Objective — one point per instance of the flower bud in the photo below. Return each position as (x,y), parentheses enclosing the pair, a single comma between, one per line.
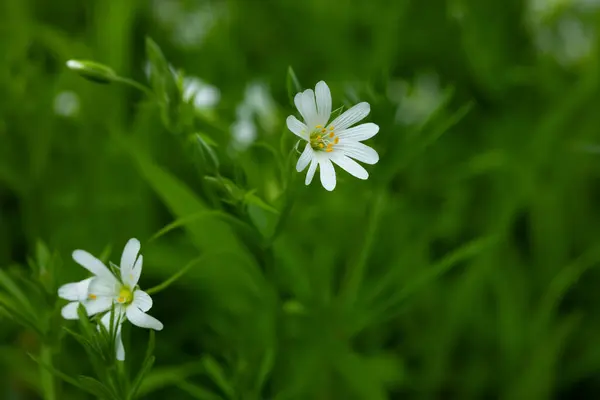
(92,70)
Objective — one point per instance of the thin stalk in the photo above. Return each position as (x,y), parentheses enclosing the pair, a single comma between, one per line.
(134,84)
(46,377)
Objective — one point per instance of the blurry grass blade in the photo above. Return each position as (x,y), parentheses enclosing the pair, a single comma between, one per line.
(198,217)
(209,156)
(97,388)
(252,198)
(336,113)
(57,373)
(356,270)
(197,392)
(564,280)
(216,373)
(266,366)
(292,84)
(12,309)
(212,234)
(161,377)
(11,287)
(92,71)
(536,380)
(463,253)
(163,84)
(175,276)
(144,370)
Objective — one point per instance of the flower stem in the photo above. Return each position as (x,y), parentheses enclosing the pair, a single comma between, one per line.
(46,378)
(134,84)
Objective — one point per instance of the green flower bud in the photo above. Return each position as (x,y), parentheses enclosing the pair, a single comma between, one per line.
(92,70)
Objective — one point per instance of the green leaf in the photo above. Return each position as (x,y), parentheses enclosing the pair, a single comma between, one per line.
(161,377)
(144,370)
(209,157)
(198,392)
(266,366)
(11,287)
(92,71)
(216,373)
(176,276)
(336,113)
(163,84)
(57,372)
(97,388)
(212,233)
(292,84)
(251,198)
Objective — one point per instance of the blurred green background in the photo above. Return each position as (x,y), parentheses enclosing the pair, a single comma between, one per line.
(466,267)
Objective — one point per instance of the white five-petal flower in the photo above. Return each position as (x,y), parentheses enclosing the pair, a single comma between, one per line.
(335,142)
(104,290)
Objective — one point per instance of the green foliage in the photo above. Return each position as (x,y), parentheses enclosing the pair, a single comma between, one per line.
(464,267)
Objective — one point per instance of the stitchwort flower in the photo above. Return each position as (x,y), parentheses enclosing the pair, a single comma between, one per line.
(105,291)
(336,141)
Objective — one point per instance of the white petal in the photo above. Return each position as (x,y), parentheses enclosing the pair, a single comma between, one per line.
(350,166)
(136,272)
(327,173)
(100,287)
(141,319)
(119,345)
(130,253)
(70,310)
(323,97)
(75,291)
(118,318)
(142,300)
(351,116)
(298,103)
(310,108)
(98,305)
(360,132)
(311,171)
(297,127)
(305,158)
(92,264)
(359,151)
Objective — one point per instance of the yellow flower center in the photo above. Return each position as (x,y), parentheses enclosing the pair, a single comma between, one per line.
(323,139)
(125,295)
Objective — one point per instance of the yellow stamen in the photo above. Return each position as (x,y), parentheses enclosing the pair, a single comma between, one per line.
(92,296)
(319,137)
(330,146)
(324,130)
(125,295)
(321,145)
(337,140)
(329,150)
(331,134)
(331,128)
(319,126)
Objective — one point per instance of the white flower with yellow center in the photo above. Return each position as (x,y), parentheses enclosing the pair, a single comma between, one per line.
(335,142)
(99,293)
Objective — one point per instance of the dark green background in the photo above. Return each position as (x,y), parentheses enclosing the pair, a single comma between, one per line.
(466,267)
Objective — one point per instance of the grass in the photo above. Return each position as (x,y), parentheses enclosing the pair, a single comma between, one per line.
(465,267)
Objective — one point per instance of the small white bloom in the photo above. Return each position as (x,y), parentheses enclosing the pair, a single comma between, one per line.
(335,142)
(99,293)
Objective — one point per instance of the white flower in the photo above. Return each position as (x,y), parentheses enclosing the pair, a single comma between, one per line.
(99,293)
(336,142)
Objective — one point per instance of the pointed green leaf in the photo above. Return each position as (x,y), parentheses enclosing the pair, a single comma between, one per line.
(292,84)
(216,373)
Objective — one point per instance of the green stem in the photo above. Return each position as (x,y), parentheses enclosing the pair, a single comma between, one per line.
(134,84)
(46,378)
(355,273)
